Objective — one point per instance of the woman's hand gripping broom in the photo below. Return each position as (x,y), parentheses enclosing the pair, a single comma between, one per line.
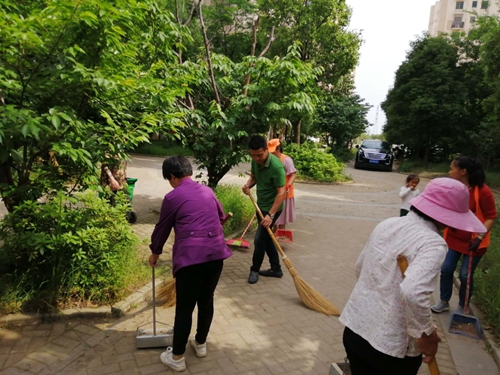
(307,294)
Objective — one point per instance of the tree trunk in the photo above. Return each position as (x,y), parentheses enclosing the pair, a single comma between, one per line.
(296,132)
(426,156)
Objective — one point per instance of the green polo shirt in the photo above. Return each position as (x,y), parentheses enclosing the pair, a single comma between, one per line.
(269,177)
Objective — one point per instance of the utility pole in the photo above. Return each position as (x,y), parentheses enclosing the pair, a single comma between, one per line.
(376,120)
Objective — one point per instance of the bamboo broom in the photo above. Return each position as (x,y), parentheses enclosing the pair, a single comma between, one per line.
(167,291)
(403,265)
(307,294)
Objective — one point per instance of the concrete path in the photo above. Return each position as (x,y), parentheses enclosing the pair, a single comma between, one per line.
(257,329)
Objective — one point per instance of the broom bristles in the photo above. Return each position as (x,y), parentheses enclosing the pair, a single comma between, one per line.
(167,293)
(308,295)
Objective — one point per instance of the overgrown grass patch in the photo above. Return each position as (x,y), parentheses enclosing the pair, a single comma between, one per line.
(162,147)
(487,281)
(63,253)
(233,200)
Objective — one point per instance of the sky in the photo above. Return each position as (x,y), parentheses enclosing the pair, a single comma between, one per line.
(388,27)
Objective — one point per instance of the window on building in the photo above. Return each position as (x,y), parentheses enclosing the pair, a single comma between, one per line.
(472,19)
(460,5)
(474,4)
(485,4)
(457,23)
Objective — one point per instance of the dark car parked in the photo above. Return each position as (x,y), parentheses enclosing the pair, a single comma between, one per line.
(374,154)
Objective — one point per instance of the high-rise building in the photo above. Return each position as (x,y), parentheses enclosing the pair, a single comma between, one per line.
(458,15)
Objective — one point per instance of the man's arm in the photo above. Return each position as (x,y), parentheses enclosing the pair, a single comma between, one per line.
(267,221)
(252,181)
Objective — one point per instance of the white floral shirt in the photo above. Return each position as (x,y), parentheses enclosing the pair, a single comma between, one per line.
(386,310)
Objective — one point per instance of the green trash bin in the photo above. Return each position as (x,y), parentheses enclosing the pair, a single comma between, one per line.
(131,215)
(130,188)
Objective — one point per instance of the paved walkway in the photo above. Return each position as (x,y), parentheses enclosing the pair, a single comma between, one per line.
(257,329)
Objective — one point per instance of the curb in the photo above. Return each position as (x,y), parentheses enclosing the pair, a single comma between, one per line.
(119,309)
(488,337)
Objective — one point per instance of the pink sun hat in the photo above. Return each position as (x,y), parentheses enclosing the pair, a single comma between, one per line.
(447,201)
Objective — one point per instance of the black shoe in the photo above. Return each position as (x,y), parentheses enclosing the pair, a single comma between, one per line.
(271,273)
(253,277)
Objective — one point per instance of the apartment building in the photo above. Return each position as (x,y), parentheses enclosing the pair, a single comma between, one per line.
(458,15)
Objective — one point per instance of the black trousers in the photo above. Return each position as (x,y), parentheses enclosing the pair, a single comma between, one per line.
(195,285)
(364,359)
(264,245)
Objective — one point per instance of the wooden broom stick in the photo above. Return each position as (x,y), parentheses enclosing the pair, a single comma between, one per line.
(403,265)
(167,290)
(307,294)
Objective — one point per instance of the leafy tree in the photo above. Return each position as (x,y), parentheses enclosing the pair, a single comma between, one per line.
(426,105)
(81,81)
(228,100)
(342,119)
(321,28)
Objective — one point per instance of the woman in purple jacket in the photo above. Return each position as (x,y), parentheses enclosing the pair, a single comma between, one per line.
(199,250)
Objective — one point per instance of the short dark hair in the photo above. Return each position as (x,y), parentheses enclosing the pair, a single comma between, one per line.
(177,166)
(421,214)
(474,170)
(279,148)
(257,142)
(412,176)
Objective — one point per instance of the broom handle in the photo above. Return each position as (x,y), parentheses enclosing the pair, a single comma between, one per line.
(467,289)
(403,265)
(276,243)
(248,226)
(154,303)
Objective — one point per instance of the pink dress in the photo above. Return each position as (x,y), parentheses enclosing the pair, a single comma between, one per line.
(288,214)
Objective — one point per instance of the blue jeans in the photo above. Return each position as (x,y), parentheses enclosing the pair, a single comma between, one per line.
(447,269)
(264,245)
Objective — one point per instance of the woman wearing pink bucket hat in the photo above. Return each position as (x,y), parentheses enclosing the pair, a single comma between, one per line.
(464,243)
(388,322)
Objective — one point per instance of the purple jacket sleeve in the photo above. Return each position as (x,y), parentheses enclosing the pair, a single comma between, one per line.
(163,227)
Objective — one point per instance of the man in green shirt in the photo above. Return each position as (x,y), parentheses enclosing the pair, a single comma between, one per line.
(268,174)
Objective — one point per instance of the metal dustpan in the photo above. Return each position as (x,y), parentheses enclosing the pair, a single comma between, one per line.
(463,323)
(154,337)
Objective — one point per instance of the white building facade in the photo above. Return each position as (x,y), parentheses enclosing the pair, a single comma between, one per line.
(458,15)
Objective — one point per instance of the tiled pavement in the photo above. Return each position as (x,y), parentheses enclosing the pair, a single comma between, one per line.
(257,329)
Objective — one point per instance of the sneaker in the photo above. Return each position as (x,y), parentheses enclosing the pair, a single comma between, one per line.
(253,277)
(200,349)
(167,358)
(271,273)
(460,310)
(440,307)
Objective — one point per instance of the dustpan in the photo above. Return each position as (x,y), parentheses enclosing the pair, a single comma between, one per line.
(154,337)
(240,242)
(283,234)
(462,323)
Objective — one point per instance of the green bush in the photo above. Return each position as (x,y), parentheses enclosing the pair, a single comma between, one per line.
(315,164)
(79,249)
(162,147)
(233,200)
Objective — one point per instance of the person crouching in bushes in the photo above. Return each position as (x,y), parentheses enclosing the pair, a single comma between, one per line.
(114,176)
(199,250)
